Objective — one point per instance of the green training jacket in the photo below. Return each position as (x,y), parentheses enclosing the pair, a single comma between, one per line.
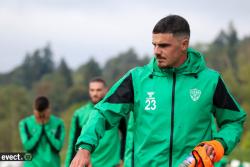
(44,142)
(107,154)
(172,111)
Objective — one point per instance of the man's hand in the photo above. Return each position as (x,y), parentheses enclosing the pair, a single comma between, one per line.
(39,117)
(46,117)
(210,151)
(81,159)
(121,164)
(42,117)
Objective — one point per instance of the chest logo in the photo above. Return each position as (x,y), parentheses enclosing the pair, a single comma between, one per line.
(150,101)
(195,94)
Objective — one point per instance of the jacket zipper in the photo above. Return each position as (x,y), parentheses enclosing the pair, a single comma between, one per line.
(172,121)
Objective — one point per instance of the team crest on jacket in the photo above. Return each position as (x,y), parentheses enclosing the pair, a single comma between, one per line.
(195,94)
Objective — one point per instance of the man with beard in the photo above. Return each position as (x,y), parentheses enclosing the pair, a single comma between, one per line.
(108,151)
(172,99)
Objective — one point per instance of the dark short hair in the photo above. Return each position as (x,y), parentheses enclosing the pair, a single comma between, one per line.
(98,79)
(173,24)
(41,103)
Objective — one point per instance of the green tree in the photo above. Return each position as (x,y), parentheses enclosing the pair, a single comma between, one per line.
(15,104)
(64,70)
(119,65)
(52,86)
(87,71)
(232,39)
(33,68)
(217,53)
(76,94)
(48,65)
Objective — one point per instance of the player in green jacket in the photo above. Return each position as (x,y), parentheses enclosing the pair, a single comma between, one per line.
(172,99)
(107,154)
(42,135)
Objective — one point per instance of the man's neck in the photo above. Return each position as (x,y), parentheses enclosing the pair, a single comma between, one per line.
(183,58)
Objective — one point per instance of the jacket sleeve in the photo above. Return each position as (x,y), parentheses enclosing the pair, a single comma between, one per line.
(229,116)
(29,140)
(56,140)
(107,113)
(75,131)
(129,148)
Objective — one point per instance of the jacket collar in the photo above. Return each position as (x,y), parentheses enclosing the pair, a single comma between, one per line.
(192,66)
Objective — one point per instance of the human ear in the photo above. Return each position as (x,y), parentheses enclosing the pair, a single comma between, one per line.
(185,43)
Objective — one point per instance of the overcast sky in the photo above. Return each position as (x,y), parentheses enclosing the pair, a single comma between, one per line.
(80,29)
